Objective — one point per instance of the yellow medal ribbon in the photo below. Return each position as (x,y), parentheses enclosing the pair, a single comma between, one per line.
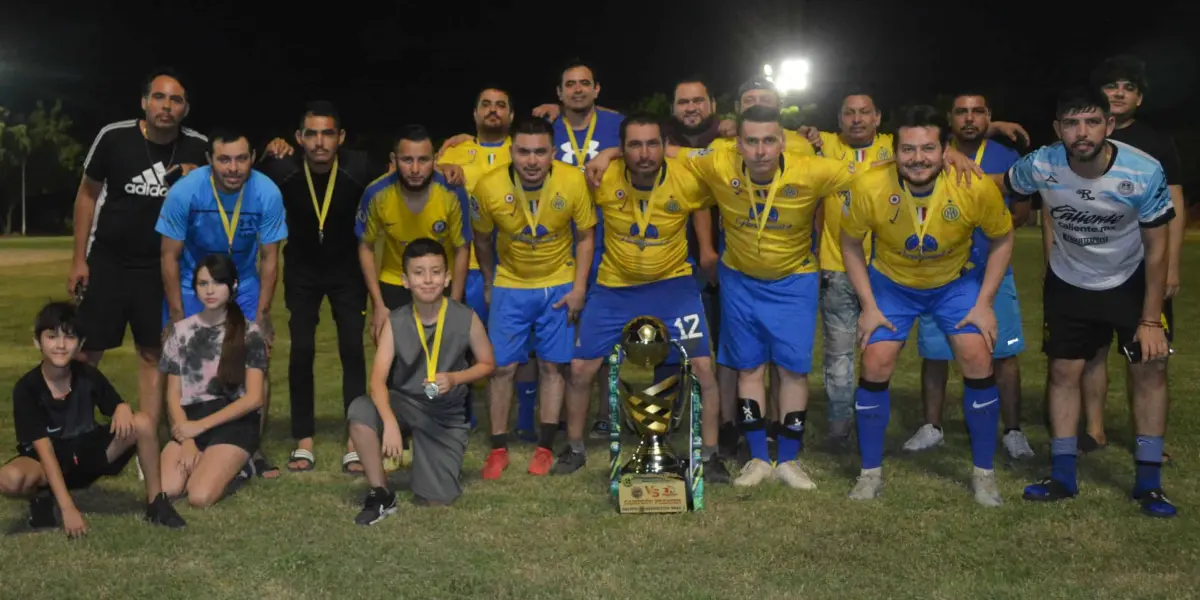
(322,210)
(642,217)
(230,225)
(978,152)
(920,225)
(760,220)
(581,154)
(431,358)
(532,215)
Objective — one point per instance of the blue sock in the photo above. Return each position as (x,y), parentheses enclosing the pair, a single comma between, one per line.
(754,428)
(791,436)
(1148,457)
(526,402)
(872,409)
(757,440)
(1062,462)
(981,407)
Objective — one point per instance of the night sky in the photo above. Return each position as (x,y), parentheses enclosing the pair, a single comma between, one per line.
(253,64)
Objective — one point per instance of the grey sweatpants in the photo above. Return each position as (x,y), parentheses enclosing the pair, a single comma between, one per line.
(839,316)
(439,441)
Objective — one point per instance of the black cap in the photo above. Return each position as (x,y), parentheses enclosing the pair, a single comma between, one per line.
(756,83)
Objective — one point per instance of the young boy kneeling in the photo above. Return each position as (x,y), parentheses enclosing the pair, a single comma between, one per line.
(427,343)
(60,445)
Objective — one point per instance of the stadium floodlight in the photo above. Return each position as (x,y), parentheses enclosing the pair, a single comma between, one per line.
(791,76)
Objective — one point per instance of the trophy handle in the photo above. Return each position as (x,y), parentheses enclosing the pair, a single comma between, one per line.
(614,422)
(695,472)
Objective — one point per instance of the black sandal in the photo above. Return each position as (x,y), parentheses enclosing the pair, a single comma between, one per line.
(262,467)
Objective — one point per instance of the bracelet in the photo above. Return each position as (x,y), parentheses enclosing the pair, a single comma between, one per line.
(1149,323)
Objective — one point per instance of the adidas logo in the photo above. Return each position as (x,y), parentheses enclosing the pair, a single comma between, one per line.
(152,182)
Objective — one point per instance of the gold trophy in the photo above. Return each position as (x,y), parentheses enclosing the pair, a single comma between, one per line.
(655,479)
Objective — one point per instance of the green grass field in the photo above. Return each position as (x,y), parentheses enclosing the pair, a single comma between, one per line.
(523,537)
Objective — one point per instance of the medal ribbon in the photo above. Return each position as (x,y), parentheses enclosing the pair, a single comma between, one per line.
(978,152)
(761,219)
(431,358)
(643,216)
(230,225)
(581,154)
(322,210)
(919,224)
(532,215)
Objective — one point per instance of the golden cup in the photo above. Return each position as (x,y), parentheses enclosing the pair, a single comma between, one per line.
(651,408)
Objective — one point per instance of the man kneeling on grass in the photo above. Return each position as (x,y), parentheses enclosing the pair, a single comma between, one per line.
(60,445)
(423,349)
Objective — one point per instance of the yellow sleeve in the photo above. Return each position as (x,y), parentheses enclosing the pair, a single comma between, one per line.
(481,219)
(857,223)
(454,220)
(585,210)
(701,163)
(798,145)
(829,175)
(994,218)
(457,155)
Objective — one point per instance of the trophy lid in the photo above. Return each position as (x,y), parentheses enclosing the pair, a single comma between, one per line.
(645,341)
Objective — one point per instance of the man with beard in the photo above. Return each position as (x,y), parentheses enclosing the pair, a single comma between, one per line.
(922,223)
(969,117)
(542,214)
(1123,80)
(321,189)
(115,270)
(225,207)
(1108,204)
(645,199)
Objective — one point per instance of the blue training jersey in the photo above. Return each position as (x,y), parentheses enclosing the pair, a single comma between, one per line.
(606,135)
(996,159)
(189,214)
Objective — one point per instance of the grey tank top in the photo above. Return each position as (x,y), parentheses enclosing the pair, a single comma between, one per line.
(409,372)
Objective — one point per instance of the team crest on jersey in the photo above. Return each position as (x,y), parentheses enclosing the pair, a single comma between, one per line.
(559,203)
(673,206)
(884,154)
(789,191)
(620,194)
(894,200)
(950,213)
(508,198)
(700,152)
(852,166)
(471,152)
(736,184)
(1125,188)
(439,226)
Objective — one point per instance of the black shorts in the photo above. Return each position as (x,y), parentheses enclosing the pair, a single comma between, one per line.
(395,296)
(84,459)
(241,432)
(118,296)
(1079,323)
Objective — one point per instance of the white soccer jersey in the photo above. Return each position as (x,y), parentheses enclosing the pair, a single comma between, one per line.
(1096,222)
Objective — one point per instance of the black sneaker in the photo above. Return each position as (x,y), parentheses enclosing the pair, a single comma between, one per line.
(41,512)
(160,512)
(1156,504)
(599,430)
(715,471)
(728,437)
(378,505)
(568,461)
(1047,490)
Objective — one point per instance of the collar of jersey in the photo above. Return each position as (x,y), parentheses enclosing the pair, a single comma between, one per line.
(661,178)
(900,180)
(491,144)
(782,168)
(512,172)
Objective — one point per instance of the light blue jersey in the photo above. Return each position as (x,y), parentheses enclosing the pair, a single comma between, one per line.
(1096,222)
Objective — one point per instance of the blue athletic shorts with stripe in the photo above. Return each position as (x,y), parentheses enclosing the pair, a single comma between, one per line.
(676,302)
(1010,338)
(946,305)
(521,320)
(473,294)
(247,300)
(768,321)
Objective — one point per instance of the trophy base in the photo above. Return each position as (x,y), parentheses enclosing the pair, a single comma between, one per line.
(652,494)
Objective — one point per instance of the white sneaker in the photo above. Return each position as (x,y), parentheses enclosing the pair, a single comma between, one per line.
(793,475)
(868,486)
(1016,445)
(754,472)
(983,483)
(925,438)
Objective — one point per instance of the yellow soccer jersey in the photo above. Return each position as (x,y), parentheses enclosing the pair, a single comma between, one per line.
(383,212)
(948,216)
(631,258)
(768,237)
(793,143)
(535,242)
(478,159)
(836,207)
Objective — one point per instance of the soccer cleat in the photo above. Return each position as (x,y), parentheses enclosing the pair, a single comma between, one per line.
(568,462)
(599,430)
(496,463)
(541,462)
(728,439)
(1156,504)
(1047,490)
(379,504)
(715,471)
(925,438)
(987,493)
(1017,446)
(160,512)
(754,472)
(41,512)
(868,486)
(793,475)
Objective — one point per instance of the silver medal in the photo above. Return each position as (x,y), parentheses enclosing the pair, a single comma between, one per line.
(431,390)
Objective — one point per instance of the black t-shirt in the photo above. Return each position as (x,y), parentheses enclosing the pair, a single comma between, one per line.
(132,170)
(1157,144)
(355,172)
(37,415)
(675,135)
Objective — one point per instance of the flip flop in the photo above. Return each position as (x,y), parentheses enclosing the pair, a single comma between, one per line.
(298,455)
(348,459)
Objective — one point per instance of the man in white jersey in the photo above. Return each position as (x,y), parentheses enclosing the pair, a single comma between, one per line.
(1108,205)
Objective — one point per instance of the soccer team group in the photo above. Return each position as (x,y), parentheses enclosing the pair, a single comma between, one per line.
(515,256)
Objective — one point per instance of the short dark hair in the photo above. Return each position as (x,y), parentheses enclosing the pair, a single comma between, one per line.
(321,108)
(148,82)
(573,63)
(920,116)
(1079,99)
(758,114)
(479,96)
(423,247)
(56,316)
(1121,67)
(972,93)
(225,135)
(640,118)
(698,80)
(412,133)
(533,126)
(858,90)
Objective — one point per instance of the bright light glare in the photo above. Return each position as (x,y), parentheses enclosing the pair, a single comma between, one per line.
(792,75)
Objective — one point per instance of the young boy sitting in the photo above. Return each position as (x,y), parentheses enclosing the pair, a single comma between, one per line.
(60,445)
(427,343)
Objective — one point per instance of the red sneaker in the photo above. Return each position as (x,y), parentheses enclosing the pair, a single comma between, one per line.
(541,462)
(496,463)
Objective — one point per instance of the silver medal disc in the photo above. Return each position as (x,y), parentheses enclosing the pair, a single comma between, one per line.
(431,390)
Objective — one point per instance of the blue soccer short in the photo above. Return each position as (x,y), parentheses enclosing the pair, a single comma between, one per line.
(247,300)
(1010,338)
(676,302)
(473,294)
(768,321)
(947,305)
(521,320)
